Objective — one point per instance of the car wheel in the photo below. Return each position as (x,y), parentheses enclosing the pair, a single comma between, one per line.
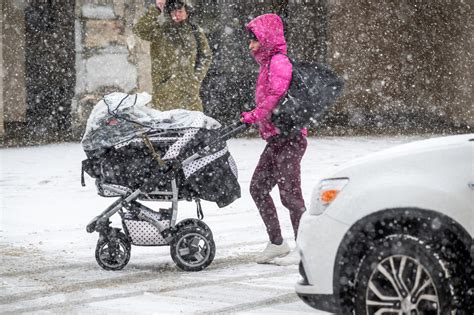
(403,275)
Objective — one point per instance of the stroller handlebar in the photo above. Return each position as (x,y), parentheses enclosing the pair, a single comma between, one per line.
(232,130)
(226,133)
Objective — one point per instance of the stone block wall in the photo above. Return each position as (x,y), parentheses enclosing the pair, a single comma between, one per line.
(107,55)
(2,126)
(403,61)
(12,55)
(407,64)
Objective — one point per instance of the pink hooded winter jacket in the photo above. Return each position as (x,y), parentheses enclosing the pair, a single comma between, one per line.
(274,77)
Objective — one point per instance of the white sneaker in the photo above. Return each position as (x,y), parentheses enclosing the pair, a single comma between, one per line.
(293,258)
(273,251)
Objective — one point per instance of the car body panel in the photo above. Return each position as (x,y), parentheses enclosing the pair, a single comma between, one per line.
(431,174)
(434,178)
(325,231)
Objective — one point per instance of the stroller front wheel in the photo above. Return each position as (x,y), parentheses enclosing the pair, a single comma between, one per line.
(113,253)
(192,248)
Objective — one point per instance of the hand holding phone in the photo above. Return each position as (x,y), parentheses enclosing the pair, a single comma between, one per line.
(160,4)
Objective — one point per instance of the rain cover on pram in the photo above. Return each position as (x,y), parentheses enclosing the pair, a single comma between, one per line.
(131,145)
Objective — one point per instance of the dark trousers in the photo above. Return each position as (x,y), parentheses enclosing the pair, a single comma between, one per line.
(279,164)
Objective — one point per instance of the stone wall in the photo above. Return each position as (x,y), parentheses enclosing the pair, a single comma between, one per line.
(13,102)
(36,74)
(2,126)
(407,64)
(108,58)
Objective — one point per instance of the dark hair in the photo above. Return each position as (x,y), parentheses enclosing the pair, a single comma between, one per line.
(252,36)
(172,5)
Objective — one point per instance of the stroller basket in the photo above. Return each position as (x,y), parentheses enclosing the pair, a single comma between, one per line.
(143,233)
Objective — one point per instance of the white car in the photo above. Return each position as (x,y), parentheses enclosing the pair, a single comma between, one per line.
(392,232)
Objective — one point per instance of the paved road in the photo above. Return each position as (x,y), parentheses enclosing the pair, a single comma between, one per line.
(47,262)
(33,283)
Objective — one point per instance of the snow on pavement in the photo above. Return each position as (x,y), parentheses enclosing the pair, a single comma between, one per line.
(47,257)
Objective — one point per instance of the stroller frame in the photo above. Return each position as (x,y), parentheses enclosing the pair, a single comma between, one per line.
(191,242)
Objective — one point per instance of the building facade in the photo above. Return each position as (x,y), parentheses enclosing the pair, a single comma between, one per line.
(407,65)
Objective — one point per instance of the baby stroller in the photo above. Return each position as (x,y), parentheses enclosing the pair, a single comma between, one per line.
(138,154)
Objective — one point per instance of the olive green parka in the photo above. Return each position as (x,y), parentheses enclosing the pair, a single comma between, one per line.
(180,58)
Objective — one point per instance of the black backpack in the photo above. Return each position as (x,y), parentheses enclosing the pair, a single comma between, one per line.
(313,90)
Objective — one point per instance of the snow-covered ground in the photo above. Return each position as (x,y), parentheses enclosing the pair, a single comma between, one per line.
(47,257)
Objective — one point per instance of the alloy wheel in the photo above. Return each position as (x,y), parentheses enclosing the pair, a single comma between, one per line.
(401,285)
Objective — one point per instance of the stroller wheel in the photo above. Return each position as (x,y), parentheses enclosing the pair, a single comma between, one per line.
(197,223)
(192,248)
(113,253)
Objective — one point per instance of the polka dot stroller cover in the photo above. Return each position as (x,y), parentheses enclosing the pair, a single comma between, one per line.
(131,145)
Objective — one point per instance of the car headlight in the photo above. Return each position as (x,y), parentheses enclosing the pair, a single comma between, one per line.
(325,193)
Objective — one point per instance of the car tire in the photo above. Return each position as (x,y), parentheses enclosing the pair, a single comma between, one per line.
(405,274)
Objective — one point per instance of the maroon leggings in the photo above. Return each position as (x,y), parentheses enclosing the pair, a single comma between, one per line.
(279,165)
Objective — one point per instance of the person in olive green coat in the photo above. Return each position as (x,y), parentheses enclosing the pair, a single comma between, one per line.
(180,55)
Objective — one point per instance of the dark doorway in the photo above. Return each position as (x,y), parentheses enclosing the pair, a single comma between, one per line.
(50,68)
(229,85)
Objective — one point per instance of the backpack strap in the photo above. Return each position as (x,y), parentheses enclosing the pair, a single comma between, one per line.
(280,53)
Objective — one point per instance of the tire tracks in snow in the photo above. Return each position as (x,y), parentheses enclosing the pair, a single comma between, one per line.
(136,279)
(92,265)
(279,299)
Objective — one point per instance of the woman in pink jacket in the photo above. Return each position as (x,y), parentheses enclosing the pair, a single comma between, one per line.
(280,161)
